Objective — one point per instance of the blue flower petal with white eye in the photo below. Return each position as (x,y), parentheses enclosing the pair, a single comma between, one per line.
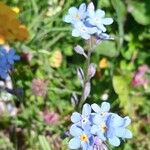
(75,117)
(124,133)
(75,131)
(86,110)
(114,141)
(74,143)
(105,107)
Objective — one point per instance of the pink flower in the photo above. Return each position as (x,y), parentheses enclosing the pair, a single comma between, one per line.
(50,117)
(39,87)
(139,78)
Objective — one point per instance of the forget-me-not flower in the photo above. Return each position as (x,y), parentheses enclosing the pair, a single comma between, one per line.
(82,138)
(82,120)
(75,14)
(97,18)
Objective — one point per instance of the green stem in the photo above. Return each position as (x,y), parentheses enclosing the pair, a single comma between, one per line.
(86,78)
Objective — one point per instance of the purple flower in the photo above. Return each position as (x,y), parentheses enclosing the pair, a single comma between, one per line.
(82,138)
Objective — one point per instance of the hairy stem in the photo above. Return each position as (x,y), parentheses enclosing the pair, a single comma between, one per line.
(86,79)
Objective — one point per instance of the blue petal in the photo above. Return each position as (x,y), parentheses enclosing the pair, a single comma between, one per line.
(107,21)
(100,13)
(74,143)
(98,119)
(75,131)
(101,135)
(94,129)
(92,30)
(84,145)
(82,8)
(114,141)
(127,121)
(85,36)
(124,133)
(86,111)
(116,121)
(75,33)
(105,107)
(75,117)
(90,9)
(72,11)
(95,107)
(67,19)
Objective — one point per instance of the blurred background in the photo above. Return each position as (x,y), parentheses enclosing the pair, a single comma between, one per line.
(38,117)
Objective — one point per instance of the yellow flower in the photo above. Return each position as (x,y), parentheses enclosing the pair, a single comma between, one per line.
(56,59)
(103,63)
(2,40)
(16,9)
(10,27)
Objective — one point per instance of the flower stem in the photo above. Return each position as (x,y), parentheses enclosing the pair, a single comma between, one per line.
(86,78)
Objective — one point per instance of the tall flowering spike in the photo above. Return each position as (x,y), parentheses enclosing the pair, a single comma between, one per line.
(7,59)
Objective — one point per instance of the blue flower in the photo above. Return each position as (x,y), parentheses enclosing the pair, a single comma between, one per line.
(75,14)
(112,128)
(99,127)
(116,128)
(97,18)
(7,57)
(103,110)
(82,139)
(81,30)
(82,120)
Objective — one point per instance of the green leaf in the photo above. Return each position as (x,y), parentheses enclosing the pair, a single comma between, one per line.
(107,48)
(140,11)
(43,143)
(120,85)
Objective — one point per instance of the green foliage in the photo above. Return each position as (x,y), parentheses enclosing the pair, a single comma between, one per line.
(49,34)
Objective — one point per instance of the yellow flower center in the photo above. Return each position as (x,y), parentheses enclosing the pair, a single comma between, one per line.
(77,16)
(103,127)
(84,137)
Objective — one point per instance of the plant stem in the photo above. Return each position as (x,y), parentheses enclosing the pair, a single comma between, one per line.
(86,78)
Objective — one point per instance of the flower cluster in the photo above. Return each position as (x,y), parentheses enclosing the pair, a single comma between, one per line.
(97,125)
(87,21)
(7,59)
